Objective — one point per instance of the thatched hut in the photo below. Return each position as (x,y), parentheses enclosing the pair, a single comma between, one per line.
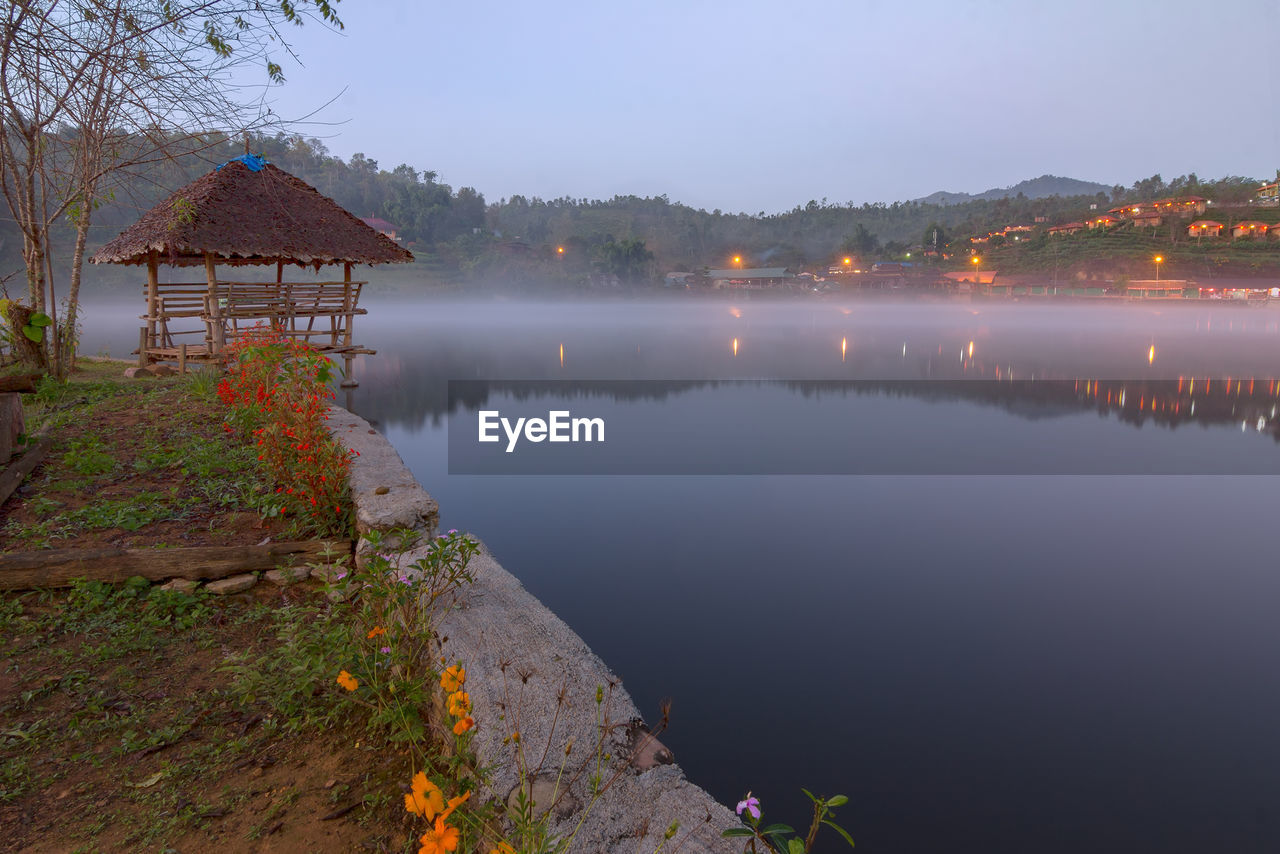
(248,212)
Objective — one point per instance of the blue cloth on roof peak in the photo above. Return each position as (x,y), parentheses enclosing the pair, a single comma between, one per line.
(252,162)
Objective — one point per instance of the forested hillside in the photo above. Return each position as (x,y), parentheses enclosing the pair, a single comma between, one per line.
(461,240)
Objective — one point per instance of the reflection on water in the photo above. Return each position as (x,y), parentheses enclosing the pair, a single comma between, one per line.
(866,427)
(994,664)
(712,341)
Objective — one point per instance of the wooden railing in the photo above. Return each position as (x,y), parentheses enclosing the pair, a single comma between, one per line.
(319,313)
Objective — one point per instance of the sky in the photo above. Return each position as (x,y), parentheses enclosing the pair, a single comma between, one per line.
(761,106)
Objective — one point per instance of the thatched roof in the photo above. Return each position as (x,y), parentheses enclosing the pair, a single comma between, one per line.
(249,212)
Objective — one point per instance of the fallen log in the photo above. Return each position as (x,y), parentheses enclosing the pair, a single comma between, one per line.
(59,567)
(25,383)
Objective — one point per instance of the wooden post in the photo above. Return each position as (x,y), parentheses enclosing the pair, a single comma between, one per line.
(279,321)
(348,310)
(12,424)
(142,347)
(182,359)
(346,304)
(216,335)
(153,306)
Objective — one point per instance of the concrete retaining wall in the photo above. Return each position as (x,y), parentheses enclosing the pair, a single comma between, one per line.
(529,673)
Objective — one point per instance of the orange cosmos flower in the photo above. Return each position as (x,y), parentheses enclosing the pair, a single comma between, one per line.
(460,704)
(454,803)
(463,725)
(440,839)
(453,678)
(426,799)
(375,631)
(346,680)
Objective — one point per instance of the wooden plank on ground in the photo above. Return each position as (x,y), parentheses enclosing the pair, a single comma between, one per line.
(12,476)
(59,567)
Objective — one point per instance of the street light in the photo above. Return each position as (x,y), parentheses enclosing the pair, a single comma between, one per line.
(847,262)
(737,260)
(1159,261)
(975,259)
(559,250)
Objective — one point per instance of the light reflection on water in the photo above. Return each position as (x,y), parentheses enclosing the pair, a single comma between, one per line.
(996,664)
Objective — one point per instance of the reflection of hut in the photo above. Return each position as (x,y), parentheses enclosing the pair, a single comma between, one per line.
(248,212)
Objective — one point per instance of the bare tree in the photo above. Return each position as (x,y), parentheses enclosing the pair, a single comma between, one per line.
(93,90)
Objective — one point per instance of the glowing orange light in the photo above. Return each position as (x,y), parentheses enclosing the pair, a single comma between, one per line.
(559,250)
(975,259)
(844,347)
(737,259)
(848,261)
(735,347)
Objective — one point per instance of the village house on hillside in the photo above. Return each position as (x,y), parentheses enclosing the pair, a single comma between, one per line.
(1204,228)
(381,226)
(752,278)
(1249,228)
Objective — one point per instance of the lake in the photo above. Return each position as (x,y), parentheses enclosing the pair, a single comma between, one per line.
(1030,616)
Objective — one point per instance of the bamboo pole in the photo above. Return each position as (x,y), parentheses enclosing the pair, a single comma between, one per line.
(216,336)
(349,380)
(153,305)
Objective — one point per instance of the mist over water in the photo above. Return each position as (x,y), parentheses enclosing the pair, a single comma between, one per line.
(982,663)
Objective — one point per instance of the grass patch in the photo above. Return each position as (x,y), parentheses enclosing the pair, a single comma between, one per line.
(138,463)
(137,718)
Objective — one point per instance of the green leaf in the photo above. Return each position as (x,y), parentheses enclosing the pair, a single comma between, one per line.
(779,828)
(149,782)
(40,319)
(840,830)
(811,795)
(795,846)
(837,801)
(34,333)
(738,831)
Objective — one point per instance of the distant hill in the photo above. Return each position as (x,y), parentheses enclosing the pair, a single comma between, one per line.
(1036,188)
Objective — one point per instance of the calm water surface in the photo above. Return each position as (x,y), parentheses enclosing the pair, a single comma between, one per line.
(982,663)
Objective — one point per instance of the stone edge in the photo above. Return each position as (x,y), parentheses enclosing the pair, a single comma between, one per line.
(528,670)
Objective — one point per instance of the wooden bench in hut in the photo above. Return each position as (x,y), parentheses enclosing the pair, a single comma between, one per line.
(248,213)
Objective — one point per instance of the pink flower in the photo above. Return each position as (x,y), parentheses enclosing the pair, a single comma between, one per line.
(751,805)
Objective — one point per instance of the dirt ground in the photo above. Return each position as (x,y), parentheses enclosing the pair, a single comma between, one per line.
(120,727)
